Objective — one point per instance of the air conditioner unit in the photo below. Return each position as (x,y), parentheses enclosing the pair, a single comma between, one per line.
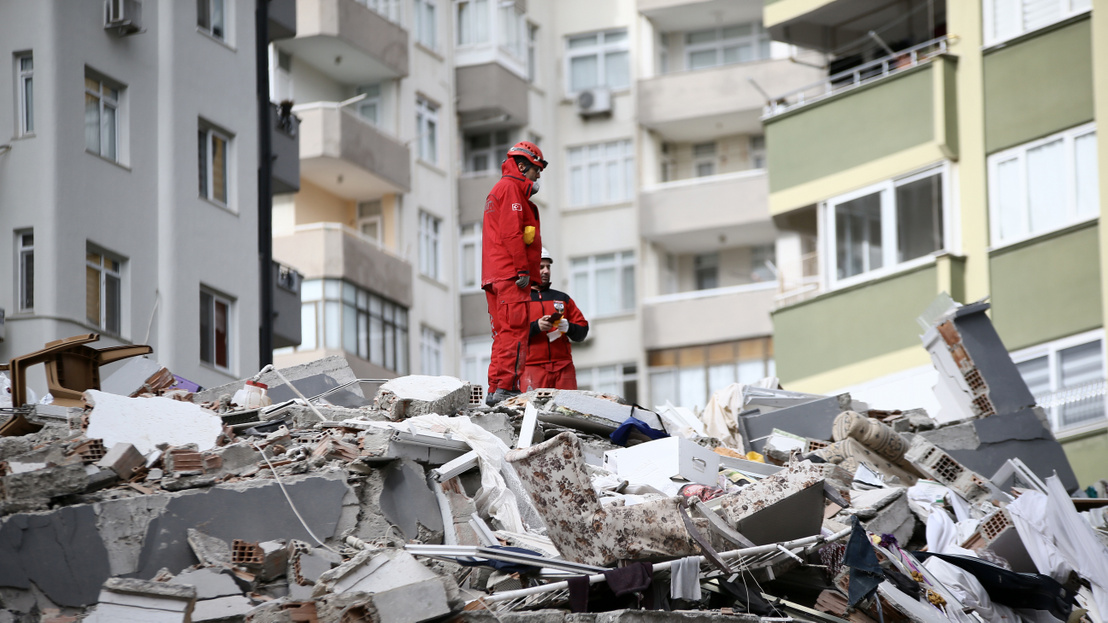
(123,17)
(594,102)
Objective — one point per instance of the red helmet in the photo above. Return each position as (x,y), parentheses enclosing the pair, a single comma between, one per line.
(530,151)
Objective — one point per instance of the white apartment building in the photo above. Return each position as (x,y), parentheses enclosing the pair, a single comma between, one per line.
(128,180)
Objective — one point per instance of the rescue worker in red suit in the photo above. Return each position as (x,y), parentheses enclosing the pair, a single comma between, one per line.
(549,356)
(511,246)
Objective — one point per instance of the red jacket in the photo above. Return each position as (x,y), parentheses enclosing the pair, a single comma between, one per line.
(510,241)
(541,350)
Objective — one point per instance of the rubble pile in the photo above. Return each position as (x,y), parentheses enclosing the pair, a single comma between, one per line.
(292,496)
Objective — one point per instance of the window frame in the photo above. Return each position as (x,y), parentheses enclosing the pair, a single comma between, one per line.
(887,192)
(25,271)
(105,273)
(216,299)
(427,127)
(25,94)
(336,300)
(425,23)
(205,23)
(758,36)
(206,178)
(1019,153)
(495,153)
(587,296)
(373,96)
(430,245)
(1052,351)
(601,49)
(469,236)
(430,351)
(989,14)
(105,85)
(391,10)
(705,159)
(584,164)
(466,24)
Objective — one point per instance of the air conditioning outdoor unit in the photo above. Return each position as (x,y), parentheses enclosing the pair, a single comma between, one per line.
(123,17)
(594,102)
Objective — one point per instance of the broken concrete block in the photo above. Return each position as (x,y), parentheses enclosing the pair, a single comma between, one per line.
(803,415)
(498,424)
(267,560)
(129,600)
(123,459)
(208,549)
(209,583)
(50,482)
(373,572)
(409,396)
(229,608)
(147,422)
(941,467)
(866,504)
(893,518)
(237,458)
(787,505)
(188,462)
(408,503)
(411,603)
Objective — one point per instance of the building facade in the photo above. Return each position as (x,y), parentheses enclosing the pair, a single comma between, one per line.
(952,147)
(128,186)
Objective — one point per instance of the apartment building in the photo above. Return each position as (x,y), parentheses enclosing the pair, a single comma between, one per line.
(952,147)
(128,186)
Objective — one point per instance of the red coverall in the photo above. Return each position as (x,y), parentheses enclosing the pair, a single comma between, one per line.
(550,364)
(510,247)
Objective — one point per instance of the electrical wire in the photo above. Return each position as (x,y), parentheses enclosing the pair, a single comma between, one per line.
(296,512)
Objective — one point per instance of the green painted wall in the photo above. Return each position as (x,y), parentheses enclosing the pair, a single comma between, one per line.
(1086,455)
(1038,86)
(1046,289)
(851,129)
(851,325)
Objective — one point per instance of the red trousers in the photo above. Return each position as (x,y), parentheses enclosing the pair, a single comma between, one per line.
(511,329)
(551,375)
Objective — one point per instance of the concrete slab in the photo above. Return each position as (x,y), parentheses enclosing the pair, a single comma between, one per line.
(209,583)
(221,609)
(44,483)
(147,422)
(408,503)
(410,396)
(131,376)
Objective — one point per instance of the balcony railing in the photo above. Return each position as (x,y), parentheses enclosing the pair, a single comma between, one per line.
(794,286)
(859,75)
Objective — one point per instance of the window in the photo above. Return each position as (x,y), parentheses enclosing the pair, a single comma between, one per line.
(370,220)
(280,71)
(1043,185)
(213,164)
(598,60)
(429,227)
(25,248)
(706,271)
(532,52)
(758,151)
(1067,378)
(601,173)
(215,329)
(337,315)
(473,21)
(425,26)
(25,93)
(101,117)
(476,357)
(470,258)
(211,17)
(370,107)
(604,285)
(704,158)
(724,46)
(619,380)
(430,350)
(103,291)
(1005,19)
(388,9)
(513,30)
(689,376)
(762,263)
(885,225)
(485,151)
(427,123)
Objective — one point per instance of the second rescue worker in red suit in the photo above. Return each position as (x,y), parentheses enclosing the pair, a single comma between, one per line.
(549,356)
(510,250)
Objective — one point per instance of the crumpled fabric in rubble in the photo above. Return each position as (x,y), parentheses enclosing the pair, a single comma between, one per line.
(1004,586)
(721,415)
(865,571)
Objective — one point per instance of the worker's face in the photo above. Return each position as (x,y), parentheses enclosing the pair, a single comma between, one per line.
(544,272)
(532,173)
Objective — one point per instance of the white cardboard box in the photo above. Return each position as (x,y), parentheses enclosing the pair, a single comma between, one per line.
(658,462)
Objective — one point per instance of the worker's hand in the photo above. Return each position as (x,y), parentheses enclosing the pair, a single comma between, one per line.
(523,280)
(545,325)
(563,325)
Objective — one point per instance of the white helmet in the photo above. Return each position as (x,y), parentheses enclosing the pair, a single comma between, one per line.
(546,255)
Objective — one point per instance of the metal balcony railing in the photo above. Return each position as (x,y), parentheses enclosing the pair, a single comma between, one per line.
(859,75)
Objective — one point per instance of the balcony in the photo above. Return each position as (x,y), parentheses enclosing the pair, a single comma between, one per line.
(492,96)
(282,19)
(286,306)
(684,215)
(473,188)
(703,104)
(348,42)
(348,156)
(285,143)
(879,120)
(828,25)
(330,250)
(708,316)
(678,15)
